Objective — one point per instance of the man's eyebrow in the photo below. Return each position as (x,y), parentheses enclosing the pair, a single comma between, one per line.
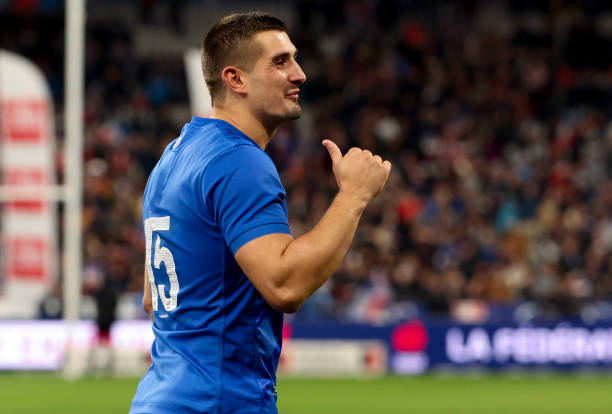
(284,55)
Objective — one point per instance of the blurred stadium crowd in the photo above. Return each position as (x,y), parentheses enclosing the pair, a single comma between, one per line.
(495,115)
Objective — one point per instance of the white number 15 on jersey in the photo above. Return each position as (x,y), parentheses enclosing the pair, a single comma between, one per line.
(160,254)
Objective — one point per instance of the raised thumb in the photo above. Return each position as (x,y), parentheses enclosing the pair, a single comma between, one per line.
(334,151)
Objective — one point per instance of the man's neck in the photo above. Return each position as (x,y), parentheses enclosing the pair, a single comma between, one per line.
(247,124)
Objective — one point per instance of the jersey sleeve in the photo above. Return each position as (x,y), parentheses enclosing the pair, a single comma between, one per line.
(245,196)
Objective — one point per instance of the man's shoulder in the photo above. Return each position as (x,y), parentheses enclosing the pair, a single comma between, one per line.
(214,140)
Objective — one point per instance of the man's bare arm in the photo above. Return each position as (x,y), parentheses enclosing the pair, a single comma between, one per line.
(147,303)
(287,271)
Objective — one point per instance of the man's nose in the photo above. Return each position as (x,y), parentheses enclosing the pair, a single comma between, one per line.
(298,76)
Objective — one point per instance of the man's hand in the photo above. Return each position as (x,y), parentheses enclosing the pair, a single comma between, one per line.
(359,173)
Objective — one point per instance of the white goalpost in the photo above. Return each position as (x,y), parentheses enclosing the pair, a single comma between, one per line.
(73,150)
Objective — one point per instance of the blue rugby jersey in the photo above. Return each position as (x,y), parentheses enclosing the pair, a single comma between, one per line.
(217,342)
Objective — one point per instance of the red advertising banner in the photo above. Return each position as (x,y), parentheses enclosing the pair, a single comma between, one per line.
(28,226)
(25,257)
(25,121)
(26,176)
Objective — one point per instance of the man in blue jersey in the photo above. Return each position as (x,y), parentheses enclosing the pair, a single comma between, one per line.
(221,264)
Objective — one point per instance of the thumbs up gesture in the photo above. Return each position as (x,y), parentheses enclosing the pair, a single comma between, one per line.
(358,173)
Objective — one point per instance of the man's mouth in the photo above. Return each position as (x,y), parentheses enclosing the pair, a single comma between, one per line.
(293,95)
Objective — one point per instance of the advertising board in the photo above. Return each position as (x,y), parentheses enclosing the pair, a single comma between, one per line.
(335,349)
(27,148)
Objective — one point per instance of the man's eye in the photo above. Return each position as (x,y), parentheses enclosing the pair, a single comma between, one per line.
(281,61)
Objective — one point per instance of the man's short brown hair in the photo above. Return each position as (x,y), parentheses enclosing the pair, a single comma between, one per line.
(227,44)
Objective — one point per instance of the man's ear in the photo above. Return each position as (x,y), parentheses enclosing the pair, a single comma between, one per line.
(233,77)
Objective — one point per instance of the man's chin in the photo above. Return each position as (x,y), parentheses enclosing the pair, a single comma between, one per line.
(294,113)
(289,115)
(293,116)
